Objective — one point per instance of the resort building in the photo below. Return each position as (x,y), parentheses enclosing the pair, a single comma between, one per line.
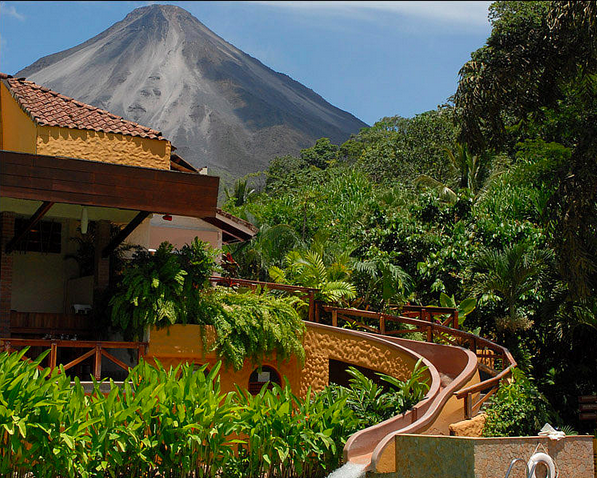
(76,180)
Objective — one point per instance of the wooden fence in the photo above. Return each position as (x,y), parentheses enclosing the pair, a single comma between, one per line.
(87,349)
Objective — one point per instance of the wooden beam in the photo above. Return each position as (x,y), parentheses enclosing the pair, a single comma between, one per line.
(37,216)
(93,183)
(226,235)
(122,235)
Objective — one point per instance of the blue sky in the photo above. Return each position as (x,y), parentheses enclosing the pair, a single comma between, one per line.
(373,59)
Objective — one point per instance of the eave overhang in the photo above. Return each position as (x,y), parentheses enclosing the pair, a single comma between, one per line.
(94,183)
(233,228)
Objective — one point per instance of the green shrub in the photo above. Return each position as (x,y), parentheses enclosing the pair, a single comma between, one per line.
(171,423)
(171,287)
(373,403)
(518,409)
(40,427)
(151,292)
(287,436)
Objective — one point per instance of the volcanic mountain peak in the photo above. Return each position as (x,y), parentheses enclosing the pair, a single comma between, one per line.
(222,108)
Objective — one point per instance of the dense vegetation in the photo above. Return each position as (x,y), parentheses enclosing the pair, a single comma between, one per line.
(171,287)
(178,423)
(491,197)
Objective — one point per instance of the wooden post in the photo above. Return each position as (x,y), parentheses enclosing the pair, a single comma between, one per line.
(430,333)
(468,406)
(53,355)
(382,324)
(97,369)
(455,320)
(311,306)
(317,312)
(335,318)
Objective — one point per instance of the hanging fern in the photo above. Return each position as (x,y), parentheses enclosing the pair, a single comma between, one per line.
(252,326)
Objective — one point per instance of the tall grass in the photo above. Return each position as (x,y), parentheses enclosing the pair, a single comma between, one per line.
(168,423)
(173,423)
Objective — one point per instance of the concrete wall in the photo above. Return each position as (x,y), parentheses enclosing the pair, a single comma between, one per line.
(422,456)
(182,230)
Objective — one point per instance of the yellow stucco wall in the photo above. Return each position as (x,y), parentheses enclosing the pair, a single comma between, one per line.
(17,130)
(183,343)
(106,147)
(177,344)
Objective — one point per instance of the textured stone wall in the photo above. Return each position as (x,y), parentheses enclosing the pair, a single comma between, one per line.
(573,456)
(423,456)
(180,343)
(106,147)
(321,345)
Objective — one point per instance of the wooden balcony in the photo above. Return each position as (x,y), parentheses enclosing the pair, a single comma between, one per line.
(71,341)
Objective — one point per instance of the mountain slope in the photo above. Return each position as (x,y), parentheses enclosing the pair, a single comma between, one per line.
(220,107)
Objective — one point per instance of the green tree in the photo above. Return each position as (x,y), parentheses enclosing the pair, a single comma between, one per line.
(536,76)
(241,192)
(507,277)
(321,154)
(309,268)
(400,149)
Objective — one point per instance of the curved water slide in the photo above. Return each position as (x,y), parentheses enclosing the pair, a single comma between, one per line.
(456,385)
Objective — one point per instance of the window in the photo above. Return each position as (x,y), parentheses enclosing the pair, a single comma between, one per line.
(45,236)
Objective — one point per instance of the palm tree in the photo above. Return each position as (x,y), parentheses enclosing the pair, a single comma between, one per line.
(467,166)
(383,280)
(267,249)
(308,269)
(241,193)
(507,277)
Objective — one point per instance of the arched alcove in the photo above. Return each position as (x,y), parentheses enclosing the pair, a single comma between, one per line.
(262,375)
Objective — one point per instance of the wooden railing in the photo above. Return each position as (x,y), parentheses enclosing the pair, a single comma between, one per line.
(438,324)
(97,350)
(430,313)
(493,359)
(43,323)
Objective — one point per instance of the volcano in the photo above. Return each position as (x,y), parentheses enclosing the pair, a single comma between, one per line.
(221,108)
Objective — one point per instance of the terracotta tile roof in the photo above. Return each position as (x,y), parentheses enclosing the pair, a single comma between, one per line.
(238,220)
(49,108)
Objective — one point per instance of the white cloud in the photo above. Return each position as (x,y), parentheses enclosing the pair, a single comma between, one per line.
(463,13)
(11,11)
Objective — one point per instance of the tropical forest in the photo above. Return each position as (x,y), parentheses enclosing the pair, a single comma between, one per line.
(487,204)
